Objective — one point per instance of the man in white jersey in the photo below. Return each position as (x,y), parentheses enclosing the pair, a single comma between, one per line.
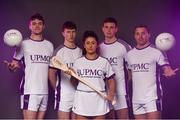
(64,90)
(114,50)
(142,61)
(35,53)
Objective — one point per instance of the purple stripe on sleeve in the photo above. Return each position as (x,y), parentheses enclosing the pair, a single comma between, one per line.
(165,65)
(26,101)
(16,59)
(22,86)
(57,105)
(58,88)
(159,105)
(158,83)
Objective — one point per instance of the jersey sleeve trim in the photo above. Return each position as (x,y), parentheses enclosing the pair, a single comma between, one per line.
(17,59)
(111,77)
(57,50)
(53,68)
(164,65)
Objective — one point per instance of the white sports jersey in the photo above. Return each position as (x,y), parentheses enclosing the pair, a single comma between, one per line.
(36,56)
(95,71)
(115,53)
(64,88)
(142,63)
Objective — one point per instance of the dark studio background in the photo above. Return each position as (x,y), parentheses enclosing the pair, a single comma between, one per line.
(159,15)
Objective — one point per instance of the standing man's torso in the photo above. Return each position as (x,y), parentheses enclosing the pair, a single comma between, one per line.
(36,57)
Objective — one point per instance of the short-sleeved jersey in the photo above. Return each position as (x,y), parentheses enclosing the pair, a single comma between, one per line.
(143,63)
(115,53)
(64,88)
(94,71)
(36,57)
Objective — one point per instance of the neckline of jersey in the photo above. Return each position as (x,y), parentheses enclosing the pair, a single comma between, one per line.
(91,59)
(143,47)
(110,43)
(69,47)
(37,40)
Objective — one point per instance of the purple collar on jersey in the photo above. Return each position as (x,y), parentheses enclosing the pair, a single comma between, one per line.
(110,43)
(69,47)
(142,48)
(91,59)
(36,40)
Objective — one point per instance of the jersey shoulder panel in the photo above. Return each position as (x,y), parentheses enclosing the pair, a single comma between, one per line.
(153,47)
(101,43)
(132,50)
(103,59)
(80,58)
(79,49)
(59,48)
(49,42)
(25,40)
(125,44)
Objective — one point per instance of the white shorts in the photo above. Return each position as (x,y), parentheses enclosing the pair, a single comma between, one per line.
(65,106)
(152,106)
(34,102)
(89,104)
(121,103)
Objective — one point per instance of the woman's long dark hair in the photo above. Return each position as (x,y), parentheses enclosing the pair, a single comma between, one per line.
(87,34)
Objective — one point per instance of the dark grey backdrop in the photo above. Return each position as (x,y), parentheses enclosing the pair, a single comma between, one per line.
(159,15)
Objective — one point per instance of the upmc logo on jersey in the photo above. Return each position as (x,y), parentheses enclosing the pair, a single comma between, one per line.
(112,60)
(142,67)
(90,73)
(40,59)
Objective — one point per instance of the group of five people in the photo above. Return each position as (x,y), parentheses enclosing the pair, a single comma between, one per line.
(102,64)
